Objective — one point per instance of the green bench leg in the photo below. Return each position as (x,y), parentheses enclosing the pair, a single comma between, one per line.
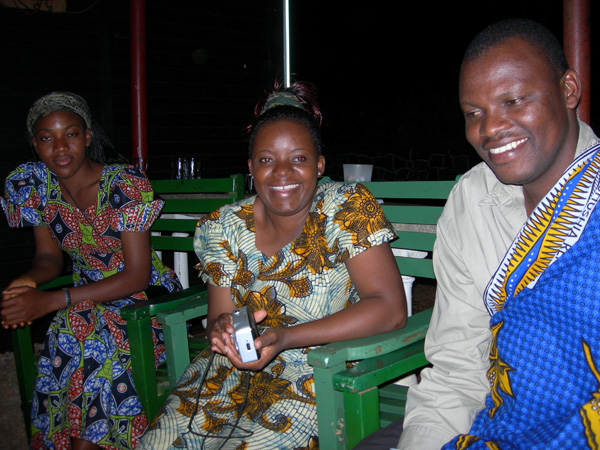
(177,350)
(142,356)
(362,415)
(330,419)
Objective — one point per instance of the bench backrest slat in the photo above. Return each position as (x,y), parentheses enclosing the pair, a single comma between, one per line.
(413,208)
(185,202)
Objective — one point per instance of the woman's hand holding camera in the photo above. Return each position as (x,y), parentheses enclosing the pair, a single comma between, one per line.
(268,345)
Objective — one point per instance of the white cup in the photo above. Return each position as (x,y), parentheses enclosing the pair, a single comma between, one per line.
(358,172)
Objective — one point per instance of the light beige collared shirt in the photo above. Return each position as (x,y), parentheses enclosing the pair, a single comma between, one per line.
(480,221)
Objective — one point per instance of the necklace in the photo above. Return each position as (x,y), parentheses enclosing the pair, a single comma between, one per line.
(87,219)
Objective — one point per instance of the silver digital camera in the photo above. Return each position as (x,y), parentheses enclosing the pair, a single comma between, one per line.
(244,333)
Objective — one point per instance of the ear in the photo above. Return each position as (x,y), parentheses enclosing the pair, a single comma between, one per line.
(571,86)
(250,167)
(34,144)
(88,137)
(321,165)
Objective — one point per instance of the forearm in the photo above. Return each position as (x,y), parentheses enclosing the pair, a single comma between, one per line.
(367,317)
(114,287)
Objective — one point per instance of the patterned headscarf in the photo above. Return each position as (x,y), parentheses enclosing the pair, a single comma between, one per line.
(282,99)
(57,101)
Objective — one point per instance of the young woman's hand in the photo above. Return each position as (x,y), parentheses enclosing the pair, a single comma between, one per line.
(22,304)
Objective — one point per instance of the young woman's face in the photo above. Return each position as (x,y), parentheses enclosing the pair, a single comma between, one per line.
(285,166)
(60,140)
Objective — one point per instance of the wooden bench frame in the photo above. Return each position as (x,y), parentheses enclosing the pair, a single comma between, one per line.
(193,196)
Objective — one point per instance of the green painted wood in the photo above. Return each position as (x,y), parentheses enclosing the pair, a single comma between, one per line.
(330,407)
(362,415)
(62,281)
(143,370)
(155,385)
(26,359)
(377,370)
(171,243)
(357,349)
(414,214)
(411,189)
(415,267)
(194,206)
(392,401)
(178,225)
(174,323)
(165,302)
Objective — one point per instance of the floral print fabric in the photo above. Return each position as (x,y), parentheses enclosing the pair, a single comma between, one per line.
(306,280)
(84,387)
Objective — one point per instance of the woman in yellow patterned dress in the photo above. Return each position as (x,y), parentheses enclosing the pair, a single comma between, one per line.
(301,256)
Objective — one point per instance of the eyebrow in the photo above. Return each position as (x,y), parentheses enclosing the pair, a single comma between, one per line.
(64,128)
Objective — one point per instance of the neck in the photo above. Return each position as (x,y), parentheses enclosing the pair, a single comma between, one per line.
(89,173)
(82,187)
(536,190)
(272,231)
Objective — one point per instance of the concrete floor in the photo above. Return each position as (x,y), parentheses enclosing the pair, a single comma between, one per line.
(12,426)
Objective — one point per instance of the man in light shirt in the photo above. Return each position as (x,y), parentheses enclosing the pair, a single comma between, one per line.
(514,338)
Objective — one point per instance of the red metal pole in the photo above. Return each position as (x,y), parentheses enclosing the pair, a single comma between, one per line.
(576,42)
(139,125)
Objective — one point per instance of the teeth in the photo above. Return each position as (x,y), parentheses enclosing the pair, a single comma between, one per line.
(509,146)
(284,188)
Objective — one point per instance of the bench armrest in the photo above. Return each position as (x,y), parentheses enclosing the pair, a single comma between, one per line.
(329,360)
(357,349)
(151,308)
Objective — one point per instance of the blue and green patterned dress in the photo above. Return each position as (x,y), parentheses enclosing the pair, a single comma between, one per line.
(304,281)
(84,387)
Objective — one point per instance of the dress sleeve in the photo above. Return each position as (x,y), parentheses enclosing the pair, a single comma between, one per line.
(358,221)
(131,200)
(25,195)
(217,263)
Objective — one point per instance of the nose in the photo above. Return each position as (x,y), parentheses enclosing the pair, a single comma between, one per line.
(60,144)
(282,168)
(493,123)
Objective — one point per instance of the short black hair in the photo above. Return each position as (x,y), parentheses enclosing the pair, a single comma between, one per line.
(530,31)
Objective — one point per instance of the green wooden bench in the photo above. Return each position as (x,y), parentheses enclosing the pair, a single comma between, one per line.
(348,401)
(184,201)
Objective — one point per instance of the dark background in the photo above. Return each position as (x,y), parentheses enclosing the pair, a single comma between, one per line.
(387,73)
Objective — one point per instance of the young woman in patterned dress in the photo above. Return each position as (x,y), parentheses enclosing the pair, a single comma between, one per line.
(79,198)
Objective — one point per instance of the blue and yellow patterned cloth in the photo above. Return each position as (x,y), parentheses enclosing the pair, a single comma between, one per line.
(545,305)
(306,280)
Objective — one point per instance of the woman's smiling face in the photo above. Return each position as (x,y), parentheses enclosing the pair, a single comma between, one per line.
(285,166)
